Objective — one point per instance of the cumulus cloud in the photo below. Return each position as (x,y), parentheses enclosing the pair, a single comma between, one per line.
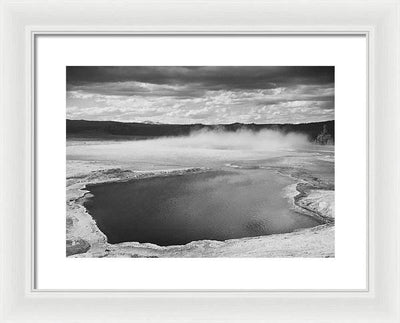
(201,94)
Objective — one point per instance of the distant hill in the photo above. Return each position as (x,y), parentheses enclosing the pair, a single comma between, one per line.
(323,132)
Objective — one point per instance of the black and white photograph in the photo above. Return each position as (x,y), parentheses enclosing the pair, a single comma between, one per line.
(200,161)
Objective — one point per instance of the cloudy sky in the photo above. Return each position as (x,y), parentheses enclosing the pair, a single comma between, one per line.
(208,94)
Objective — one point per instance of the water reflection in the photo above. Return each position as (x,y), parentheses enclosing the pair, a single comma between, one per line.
(216,205)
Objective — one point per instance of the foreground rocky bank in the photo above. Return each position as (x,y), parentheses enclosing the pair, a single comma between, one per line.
(311,195)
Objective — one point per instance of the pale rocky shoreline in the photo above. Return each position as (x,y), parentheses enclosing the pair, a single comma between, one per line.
(310,196)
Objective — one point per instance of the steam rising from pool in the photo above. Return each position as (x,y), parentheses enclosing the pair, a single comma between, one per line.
(200,148)
(264,140)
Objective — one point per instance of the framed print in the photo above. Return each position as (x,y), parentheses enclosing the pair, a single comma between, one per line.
(201,167)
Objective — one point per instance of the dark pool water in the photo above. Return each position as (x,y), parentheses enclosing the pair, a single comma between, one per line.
(176,210)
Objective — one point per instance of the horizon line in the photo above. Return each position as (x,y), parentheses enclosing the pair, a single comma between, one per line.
(204,124)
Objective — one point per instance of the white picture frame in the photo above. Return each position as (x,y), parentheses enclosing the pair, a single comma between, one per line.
(21,21)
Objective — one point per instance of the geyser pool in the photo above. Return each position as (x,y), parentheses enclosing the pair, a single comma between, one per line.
(175,210)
